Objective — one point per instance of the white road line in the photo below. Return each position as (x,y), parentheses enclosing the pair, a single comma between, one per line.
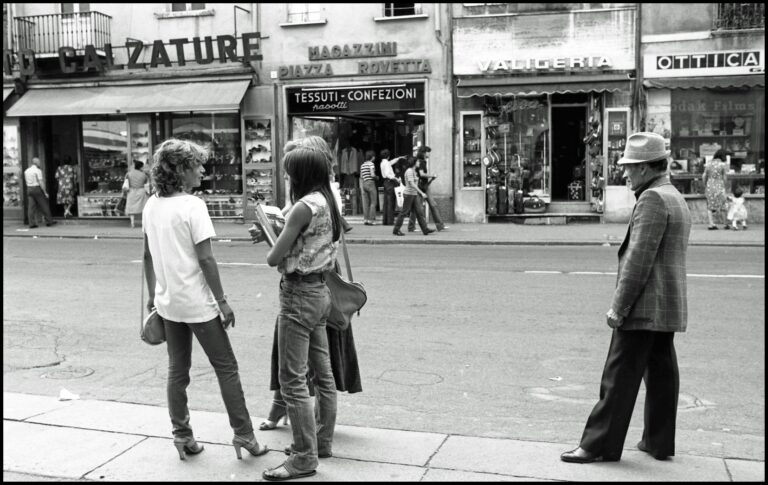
(223,264)
(593,272)
(544,272)
(756,276)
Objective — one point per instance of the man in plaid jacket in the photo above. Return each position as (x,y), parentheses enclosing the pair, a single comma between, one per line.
(649,306)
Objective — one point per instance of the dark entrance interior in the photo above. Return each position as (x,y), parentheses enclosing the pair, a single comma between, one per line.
(568,150)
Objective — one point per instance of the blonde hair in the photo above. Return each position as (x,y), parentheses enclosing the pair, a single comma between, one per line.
(171,159)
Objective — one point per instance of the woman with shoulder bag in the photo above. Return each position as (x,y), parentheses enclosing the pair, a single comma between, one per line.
(136,191)
(185,287)
(341,343)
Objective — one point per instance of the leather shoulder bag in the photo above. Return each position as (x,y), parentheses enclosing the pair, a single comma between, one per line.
(347,297)
(152,330)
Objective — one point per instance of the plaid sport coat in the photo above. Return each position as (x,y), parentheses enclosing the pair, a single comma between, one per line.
(651,290)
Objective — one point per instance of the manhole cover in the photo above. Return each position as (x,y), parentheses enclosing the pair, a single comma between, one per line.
(69,373)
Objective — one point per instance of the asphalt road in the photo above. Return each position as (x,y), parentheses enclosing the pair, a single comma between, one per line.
(469,340)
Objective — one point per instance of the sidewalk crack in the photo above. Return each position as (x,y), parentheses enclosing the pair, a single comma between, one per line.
(728,470)
(114,458)
(429,460)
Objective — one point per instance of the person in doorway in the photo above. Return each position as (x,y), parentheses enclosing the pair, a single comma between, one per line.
(65,195)
(368,186)
(303,252)
(649,305)
(138,185)
(425,179)
(36,195)
(341,343)
(715,179)
(185,287)
(390,182)
(411,200)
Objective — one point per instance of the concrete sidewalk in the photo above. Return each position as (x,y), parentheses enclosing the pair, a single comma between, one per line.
(472,234)
(47,439)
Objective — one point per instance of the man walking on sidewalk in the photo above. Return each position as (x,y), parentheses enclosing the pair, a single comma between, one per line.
(36,196)
(649,305)
(390,182)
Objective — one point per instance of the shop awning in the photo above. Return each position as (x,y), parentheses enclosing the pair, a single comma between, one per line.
(541,85)
(706,82)
(192,96)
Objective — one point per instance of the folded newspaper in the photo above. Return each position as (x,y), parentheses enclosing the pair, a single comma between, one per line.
(271,220)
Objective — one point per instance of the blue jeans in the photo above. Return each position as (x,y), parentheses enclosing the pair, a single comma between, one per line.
(305,304)
(370,195)
(215,342)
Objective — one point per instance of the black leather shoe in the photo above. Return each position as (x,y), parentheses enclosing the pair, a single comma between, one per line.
(33,227)
(52,223)
(580,455)
(429,231)
(398,233)
(641,446)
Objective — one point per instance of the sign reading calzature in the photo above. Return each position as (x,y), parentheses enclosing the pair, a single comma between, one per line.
(537,64)
(390,97)
(715,63)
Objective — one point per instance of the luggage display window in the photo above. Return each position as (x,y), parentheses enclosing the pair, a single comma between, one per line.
(472,151)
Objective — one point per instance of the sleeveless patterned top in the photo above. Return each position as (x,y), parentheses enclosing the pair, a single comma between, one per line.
(314,250)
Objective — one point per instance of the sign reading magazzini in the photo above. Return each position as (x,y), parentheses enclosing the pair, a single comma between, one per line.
(715,63)
(390,97)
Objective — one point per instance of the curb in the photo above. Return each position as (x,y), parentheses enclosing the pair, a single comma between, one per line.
(441,242)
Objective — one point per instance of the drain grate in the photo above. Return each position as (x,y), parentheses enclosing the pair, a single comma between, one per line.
(68,373)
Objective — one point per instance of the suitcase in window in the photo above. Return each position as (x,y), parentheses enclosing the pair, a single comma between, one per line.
(518,202)
(510,200)
(492,199)
(503,203)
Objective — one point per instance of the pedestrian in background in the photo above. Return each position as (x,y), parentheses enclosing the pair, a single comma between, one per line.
(411,202)
(341,343)
(715,178)
(303,252)
(185,287)
(65,195)
(650,304)
(138,191)
(37,197)
(425,179)
(368,186)
(737,212)
(390,182)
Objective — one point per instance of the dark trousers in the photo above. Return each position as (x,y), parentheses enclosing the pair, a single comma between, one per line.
(432,210)
(215,342)
(38,202)
(389,202)
(412,203)
(636,355)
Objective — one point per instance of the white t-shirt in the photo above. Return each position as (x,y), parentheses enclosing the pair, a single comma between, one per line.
(174,225)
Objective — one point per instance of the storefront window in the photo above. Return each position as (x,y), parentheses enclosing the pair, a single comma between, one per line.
(259,171)
(11,167)
(105,154)
(707,120)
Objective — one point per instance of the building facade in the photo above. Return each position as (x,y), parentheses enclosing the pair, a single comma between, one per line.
(704,90)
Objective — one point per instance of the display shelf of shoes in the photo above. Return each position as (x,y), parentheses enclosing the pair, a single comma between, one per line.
(259,169)
(471,143)
(99,205)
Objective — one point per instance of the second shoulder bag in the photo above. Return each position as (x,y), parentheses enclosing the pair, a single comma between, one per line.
(347,297)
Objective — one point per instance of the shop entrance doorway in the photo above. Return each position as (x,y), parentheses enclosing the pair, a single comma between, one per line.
(64,138)
(569,124)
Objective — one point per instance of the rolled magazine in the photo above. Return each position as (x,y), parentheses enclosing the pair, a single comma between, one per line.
(271,220)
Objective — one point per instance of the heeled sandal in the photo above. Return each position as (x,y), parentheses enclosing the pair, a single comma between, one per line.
(270,424)
(252,446)
(290,476)
(187,445)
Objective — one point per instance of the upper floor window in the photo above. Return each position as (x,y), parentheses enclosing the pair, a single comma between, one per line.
(739,16)
(184,7)
(511,8)
(401,9)
(75,7)
(304,12)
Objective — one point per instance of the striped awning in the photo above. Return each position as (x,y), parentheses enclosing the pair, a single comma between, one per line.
(706,82)
(527,86)
(190,96)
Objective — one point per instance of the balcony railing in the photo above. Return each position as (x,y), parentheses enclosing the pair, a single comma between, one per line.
(44,34)
(740,16)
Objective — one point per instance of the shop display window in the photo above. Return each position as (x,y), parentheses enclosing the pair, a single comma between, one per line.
(472,146)
(11,167)
(616,139)
(707,120)
(259,171)
(105,154)
(140,142)
(517,144)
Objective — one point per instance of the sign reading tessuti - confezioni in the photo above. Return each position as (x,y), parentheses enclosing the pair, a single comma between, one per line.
(390,97)
(714,63)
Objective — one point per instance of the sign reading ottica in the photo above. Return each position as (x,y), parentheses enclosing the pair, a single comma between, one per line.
(714,63)
(391,97)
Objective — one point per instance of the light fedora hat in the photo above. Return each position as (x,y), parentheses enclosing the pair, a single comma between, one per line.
(644,147)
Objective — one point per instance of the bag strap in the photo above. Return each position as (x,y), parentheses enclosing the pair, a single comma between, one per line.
(346,255)
(141,322)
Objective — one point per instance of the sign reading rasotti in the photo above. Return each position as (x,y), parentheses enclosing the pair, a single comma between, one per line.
(393,97)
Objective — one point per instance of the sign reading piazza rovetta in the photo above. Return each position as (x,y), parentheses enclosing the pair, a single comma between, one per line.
(226,50)
(353,51)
